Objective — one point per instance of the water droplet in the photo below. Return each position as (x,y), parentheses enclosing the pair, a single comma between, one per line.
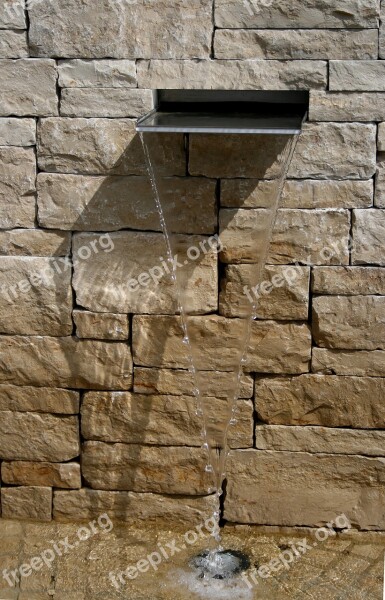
(186,340)
(233,421)
(196,391)
(199,412)
(209,469)
(205,446)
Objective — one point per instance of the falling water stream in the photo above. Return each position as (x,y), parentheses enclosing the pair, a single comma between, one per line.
(215,560)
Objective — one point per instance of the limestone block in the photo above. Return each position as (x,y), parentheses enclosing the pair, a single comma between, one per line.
(12,15)
(32,503)
(381,137)
(105,102)
(34,242)
(348,362)
(368,237)
(17,187)
(58,475)
(38,399)
(379,195)
(13,44)
(101,326)
(17,132)
(97,73)
(32,92)
(357,75)
(348,281)
(360,106)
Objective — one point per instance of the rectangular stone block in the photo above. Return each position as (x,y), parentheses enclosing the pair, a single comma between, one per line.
(234,74)
(122,30)
(134,468)
(335,150)
(123,279)
(12,15)
(17,132)
(357,75)
(38,399)
(330,485)
(38,437)
(274,347)
(101,326)
(349,322)
(368,235)
(34,298)
(17,187)
(13,44)
(325,106)
(348,281)
(381,137)
(161,420)
(65,362)
(32,503)
(34,242)
(33,92)
(326,400)
(58,475)
(84,203)
(97,73)
(348,362)
(105,147)
(105,102)
(295,44)
(379,194)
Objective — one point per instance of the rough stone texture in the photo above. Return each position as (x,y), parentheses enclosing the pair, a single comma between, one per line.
(381,137)
(368,236)
(282,292)
(12,15)
(315,487)
(17,187)
(296,44)
(35,91)
(27,503)
(101,289)
(105,102)
(234,75)
(13,44)
(348,281)
(335,150)
(325,106)
(60,475)
(325,400)
(320,440)
(289,14)
(101,326)
(38,399)
(84,203)
(34,298)
(355,322)
(87,504)
(65,362)
(104,146)
(179,382)
(97,73)
(34,242)
(122,30)
(345,362)
(274,347)
(357,75)
(38,437)
(379,195)
(17,132)
(136,468)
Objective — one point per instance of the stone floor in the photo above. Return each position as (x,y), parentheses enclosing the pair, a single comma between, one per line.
(345,566)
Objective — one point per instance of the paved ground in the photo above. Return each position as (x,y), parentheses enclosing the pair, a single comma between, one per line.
(348,566)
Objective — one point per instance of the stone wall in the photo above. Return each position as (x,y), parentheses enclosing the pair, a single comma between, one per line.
(96,404)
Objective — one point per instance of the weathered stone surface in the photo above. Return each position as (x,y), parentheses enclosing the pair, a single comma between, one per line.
(41,437)
(320,440)
(345,362)
(136,468)
(161,420)
(105,102)
(357,75)
(325,400)
(348,281)
(33,503)
(349,322)
(335,150)
(381,137)
(180,382)
(301,14)
(13,44)
(84,203)
(88,504)
(60,475)
(34,242)
(17,187)
(38,399)
(12,15)
(65,362)
(379,195)
(304,489)
(122,30)
(368,237)
(299,235)
(33,92)
(274,347)
(307,193)
(101,326)
(17,132)
(102,288)
(97,73)
(296,44)
(282,292)
(105,146)
(234,75)
(325,106)
(34,298)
